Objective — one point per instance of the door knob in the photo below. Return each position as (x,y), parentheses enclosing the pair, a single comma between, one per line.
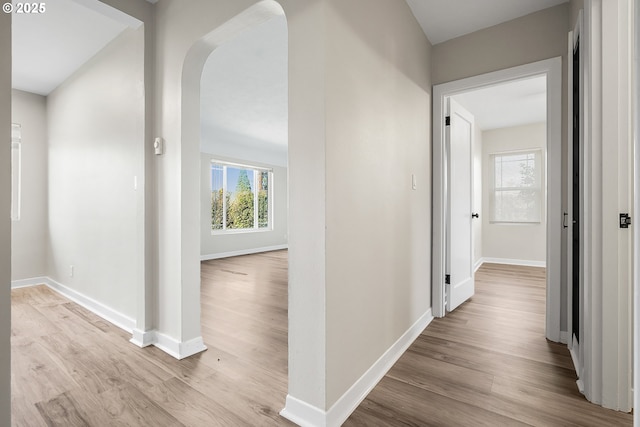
(475,215)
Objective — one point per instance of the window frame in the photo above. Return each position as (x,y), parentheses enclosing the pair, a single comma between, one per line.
(257,171)
(539,175)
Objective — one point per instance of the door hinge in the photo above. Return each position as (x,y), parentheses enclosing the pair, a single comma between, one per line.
(625,220)
(447,279)
(447,121)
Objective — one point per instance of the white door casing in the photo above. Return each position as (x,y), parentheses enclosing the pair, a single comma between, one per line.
(459,247)
(552,69)
(606,350)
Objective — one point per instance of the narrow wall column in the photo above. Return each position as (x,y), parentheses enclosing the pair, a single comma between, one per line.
(5,222)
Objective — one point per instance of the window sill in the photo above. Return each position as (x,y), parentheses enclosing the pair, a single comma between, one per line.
(232,232)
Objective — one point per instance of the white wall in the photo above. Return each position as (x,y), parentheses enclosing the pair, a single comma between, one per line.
(534,37)
(373,77)
(576,6)
(96,128)
(30,236)
(213,246)
(540,35)
(378,230)
(516,242)
(5,221)
(185,38)
(477,196)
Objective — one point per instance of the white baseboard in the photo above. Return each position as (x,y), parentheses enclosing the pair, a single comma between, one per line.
(34,281)
(573,351)
(143,338)
(304,414)
(564,337)
(242,252)
(110,315)
(107,313)
(509,261)
(177,349)
(478,264)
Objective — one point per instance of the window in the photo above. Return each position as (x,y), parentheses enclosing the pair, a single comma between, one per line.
(241,198)
(16,165)
(516,196)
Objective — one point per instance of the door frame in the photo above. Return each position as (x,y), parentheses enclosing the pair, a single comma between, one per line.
(552,69)
(574,345)
(636,207)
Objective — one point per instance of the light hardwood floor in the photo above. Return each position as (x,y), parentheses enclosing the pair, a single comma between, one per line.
(486,364)
(71,368)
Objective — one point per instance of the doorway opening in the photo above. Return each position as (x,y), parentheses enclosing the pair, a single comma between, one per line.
(235,153)
(547,73)
(81,114)
(576,201)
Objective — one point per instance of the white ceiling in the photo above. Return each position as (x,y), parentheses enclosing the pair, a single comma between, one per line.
(244,83)
(244,90)
(510,104)
(50,47)
(442,20)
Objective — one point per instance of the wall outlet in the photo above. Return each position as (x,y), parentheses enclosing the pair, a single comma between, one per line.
(71,271)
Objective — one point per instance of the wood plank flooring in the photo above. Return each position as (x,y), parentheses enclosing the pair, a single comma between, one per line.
(71,368)
(486,364)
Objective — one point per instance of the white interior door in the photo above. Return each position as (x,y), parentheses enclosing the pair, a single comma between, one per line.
(459,253)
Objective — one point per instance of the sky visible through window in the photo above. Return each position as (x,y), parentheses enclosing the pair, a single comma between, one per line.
(239,197)
(232,178)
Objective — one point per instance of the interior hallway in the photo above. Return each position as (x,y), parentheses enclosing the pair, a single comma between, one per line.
(487,363)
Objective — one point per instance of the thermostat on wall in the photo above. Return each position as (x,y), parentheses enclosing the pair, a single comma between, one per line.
(158,145)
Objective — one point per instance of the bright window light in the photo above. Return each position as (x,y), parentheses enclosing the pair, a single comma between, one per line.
(516,194)
(241,198)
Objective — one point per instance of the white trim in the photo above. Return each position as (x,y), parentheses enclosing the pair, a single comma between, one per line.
(552,68)
(478,264)
(243,252)
(143,338)
(237,165)
(510,261)
(636,208)
(107,313)
(304,414)
(564,337)
(573,347)
(179,350)
(605,340)
(340,411)
(25,283)
(575,358)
